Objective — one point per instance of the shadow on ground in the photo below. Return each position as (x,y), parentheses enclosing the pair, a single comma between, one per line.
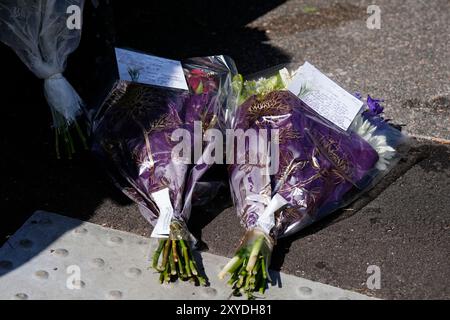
(199,28)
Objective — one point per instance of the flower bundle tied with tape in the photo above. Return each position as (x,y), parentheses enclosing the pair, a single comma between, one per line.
(173,257)
(136,134)
(40,33)
(327,147)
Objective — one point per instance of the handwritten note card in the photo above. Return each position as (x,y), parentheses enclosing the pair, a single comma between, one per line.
(148,69)
(325,96)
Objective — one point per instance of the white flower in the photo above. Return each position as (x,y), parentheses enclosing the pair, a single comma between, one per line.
(366,130)
(286,76)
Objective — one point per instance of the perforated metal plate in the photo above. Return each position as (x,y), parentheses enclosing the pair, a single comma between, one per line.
(55,257)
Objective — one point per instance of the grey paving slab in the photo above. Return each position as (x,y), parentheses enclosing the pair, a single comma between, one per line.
(56,257)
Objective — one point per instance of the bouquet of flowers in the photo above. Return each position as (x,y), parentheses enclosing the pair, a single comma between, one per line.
(134,136)
(320,169)
(43,34)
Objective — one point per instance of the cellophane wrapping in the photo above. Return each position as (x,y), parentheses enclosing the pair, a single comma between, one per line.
(133,134)
(43,33)
(321,167)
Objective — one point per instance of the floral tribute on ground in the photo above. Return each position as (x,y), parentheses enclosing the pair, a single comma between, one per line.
(133,138)
(321,169)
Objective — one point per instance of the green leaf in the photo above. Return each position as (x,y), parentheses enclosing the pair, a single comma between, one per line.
(199,89)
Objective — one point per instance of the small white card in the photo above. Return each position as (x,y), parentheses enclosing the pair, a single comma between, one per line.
(148,69)
(325,96)
(162,200)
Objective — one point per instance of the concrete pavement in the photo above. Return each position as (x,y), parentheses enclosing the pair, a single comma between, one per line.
(402,225)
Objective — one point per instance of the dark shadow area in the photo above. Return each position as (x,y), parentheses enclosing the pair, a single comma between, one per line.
(181,29)
(36,236)
(171,29)
(439,159)
(275,278)
(32,177)
(216,200)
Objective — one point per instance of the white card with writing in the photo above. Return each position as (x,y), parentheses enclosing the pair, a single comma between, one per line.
(162,200)
(325,96)
(148,69)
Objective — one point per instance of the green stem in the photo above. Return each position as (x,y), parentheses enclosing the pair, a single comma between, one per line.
(254,253)
(231,266)
(263,268)
(247,282)
(58,155)
(240,281)
(66,142)
(257,267)
(173,268)
(166,273)
(177,262)
(186,257)
(165,254)
(174,251)
(201,281)
(157,254)
(193,269)
(80,133)
(237,265)
(233,279)
(262,289)
(181,268)
(69,136)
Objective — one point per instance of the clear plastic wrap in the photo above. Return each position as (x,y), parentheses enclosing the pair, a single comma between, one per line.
(38,31)
(321,167)
(134,135)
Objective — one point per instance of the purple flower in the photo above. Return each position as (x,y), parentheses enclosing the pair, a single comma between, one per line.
(358,95)
(374,106)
